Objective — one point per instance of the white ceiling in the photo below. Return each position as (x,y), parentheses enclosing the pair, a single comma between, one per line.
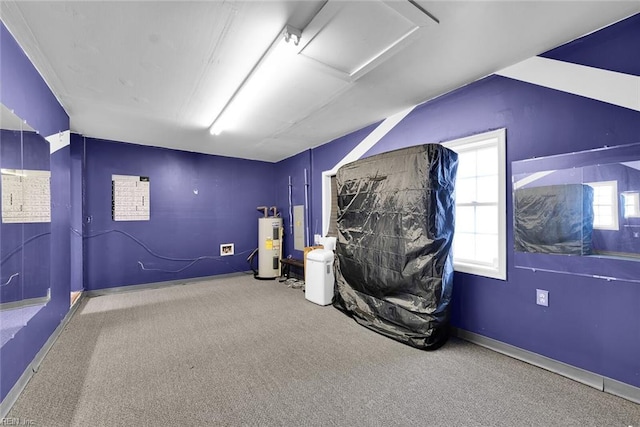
(158,73)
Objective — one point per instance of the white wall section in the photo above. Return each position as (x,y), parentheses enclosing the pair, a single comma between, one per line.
(595,83)
(531,178)
(58,140)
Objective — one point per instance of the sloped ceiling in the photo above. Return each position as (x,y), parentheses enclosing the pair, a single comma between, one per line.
(159,73)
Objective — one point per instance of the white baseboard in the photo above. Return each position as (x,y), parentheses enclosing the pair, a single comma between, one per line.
(154,285)
(621,389)
(602,383)
(25,303)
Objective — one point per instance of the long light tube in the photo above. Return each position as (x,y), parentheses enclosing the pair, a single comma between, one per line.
(271,63)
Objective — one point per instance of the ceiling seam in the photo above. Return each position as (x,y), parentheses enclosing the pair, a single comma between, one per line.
(219,41)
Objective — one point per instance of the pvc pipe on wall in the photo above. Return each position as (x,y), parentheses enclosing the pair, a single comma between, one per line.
(306,208)
(290,208)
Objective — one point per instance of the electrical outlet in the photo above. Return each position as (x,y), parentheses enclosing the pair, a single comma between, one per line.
(542,297)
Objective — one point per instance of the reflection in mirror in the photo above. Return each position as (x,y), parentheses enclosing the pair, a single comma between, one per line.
(25,228)
(631,204)
(579,213)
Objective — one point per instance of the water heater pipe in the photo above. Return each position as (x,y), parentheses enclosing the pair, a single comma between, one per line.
(290,208)
(306,209)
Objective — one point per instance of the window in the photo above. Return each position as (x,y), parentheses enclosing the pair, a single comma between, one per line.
(479,245)
(605,205)
(631,204)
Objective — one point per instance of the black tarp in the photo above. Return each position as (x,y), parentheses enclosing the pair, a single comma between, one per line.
(394,267)
(553,219)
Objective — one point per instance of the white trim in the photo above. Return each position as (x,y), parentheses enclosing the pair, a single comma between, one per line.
(372,139)
(591,379)
(497,138)
(576,374)
(623,390)
(326,200)
(603,85)
(634,165)
(530,178)
(615,211)
(155,285)
(634,198)
(58,140)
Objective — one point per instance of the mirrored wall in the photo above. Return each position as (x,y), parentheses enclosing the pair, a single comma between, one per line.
(579,213)
(25,228)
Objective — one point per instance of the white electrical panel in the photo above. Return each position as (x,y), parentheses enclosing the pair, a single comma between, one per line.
(26,196)
(130,198)
(298,228)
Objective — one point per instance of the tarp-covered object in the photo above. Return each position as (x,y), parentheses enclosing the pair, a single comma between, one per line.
(554,219)
(394,267)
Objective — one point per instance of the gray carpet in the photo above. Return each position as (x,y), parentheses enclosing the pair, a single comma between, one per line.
(237,351)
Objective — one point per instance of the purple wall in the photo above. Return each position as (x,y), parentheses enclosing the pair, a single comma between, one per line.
(293,168)
(76,214)
(60,228)
(23,90)
(590,323)
(607,49)
(197,202)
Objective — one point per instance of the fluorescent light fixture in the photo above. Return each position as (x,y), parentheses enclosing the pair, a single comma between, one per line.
(291,34)
(271,63)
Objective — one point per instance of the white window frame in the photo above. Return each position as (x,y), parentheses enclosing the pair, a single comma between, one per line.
(495,138)
(634,198)
(326,199)
(614,204)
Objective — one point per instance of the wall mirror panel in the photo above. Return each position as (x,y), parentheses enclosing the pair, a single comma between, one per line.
(25,228)
(579,213)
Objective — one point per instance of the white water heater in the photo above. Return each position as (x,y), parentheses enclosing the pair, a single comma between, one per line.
(269,247)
